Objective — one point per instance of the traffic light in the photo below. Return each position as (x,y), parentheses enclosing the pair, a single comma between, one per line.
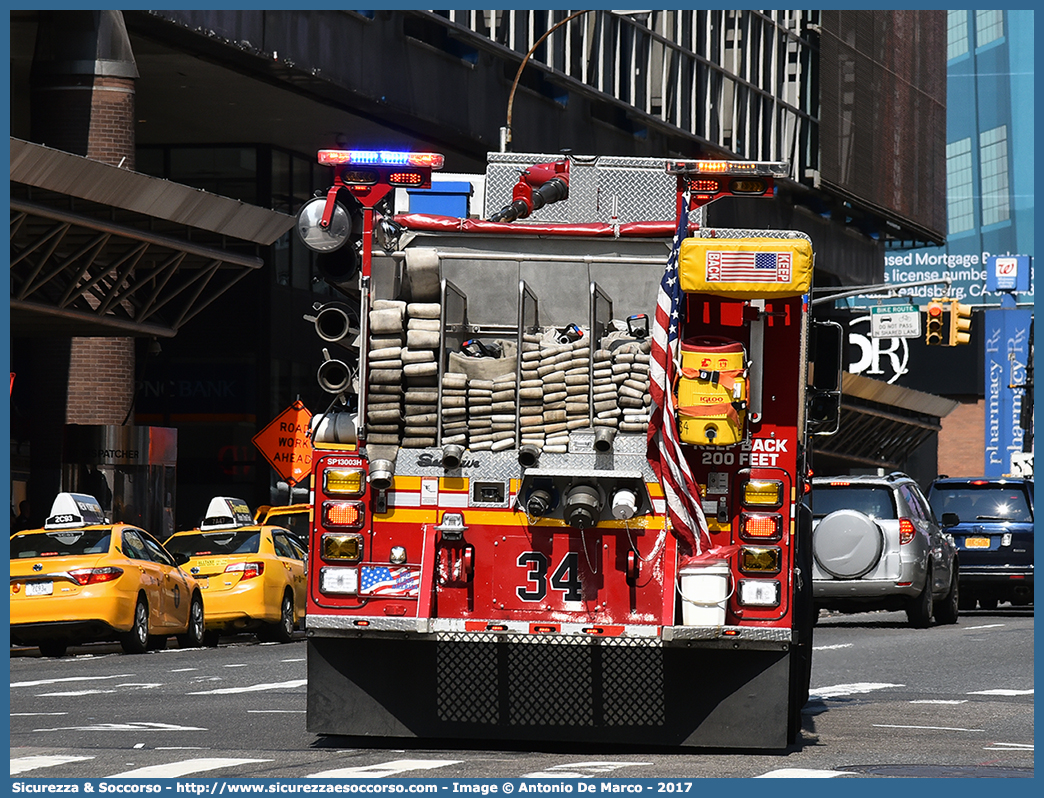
(933,328)
(960,323)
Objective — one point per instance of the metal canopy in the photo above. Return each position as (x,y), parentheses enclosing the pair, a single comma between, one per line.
(97,250)
(882,424)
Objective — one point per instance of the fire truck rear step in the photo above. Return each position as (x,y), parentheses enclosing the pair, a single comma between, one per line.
(502,689)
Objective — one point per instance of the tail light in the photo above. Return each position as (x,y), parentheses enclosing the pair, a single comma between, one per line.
(92,576)
(343,514)
(906,530)
(761,526)
(249,569)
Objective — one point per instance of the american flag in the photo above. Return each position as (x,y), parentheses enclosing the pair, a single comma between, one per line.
(394,581)
(749,267)
(663,445)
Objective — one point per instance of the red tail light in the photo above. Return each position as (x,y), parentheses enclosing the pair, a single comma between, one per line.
(768,526)
(92,576)
(906,530)
(249,569)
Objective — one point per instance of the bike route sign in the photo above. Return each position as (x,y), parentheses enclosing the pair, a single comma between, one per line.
(895,321)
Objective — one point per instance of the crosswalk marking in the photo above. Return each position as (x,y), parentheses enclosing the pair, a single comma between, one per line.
(383,769)
(580,770)
(802,773)
(24,764)
(940,701)
(125,727)
(930,728)
(173,770)
(120,688)
(254,688)
(839,690)
(39,682)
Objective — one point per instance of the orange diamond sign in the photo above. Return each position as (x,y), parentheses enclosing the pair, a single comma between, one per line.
(286,445)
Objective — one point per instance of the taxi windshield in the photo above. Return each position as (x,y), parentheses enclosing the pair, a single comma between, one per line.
(61,543)
(223,542)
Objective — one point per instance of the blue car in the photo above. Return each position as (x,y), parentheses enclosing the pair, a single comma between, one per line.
(991,521)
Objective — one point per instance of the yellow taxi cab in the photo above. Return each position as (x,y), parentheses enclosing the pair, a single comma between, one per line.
(252,575)
(296,518)
(81,578)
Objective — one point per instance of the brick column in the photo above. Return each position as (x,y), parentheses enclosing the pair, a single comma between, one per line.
(82,101)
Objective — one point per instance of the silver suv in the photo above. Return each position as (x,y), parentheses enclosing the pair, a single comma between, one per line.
(876,544)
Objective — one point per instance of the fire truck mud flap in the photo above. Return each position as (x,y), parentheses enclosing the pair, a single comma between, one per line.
(517,687)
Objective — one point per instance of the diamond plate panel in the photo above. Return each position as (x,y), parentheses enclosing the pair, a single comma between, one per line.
(740,232)
(628,455)
(637,189)
(467,682)
(550,685)
(556,681)
(626,668)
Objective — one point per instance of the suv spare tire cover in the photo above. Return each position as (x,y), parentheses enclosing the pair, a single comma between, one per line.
(847,544)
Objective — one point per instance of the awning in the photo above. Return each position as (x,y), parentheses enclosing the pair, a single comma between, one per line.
(99,250)
(882,424)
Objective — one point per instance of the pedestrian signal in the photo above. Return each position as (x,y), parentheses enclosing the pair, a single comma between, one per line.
(960,323)
(933,328)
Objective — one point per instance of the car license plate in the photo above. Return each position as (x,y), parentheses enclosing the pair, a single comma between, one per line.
(39,588)
(976,543)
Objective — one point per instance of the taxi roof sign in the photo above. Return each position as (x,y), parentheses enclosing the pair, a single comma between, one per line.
(72,510)
(226,512)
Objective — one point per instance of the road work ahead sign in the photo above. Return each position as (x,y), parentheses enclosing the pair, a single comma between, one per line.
(286,445)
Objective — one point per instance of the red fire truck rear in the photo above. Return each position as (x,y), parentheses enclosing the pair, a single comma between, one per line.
(558,492)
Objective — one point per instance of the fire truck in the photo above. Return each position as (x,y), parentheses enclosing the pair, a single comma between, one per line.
(558,494)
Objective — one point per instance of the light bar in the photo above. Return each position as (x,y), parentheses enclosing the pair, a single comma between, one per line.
(758,168)
(429,160)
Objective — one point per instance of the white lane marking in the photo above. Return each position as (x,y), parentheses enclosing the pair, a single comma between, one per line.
(933,728)
(383,769)
(984,626)
(34,714)
(120,688)
(144,726)
(1008,747)
(278,711)
(856,688)
(237,665)
(172,770)
(24,764)
(40,682)
(580,770)
(184,670)
(831,648)
(802,773)
(181,748)
(300,659)
(254,688)
(940,701)
(1001,691)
